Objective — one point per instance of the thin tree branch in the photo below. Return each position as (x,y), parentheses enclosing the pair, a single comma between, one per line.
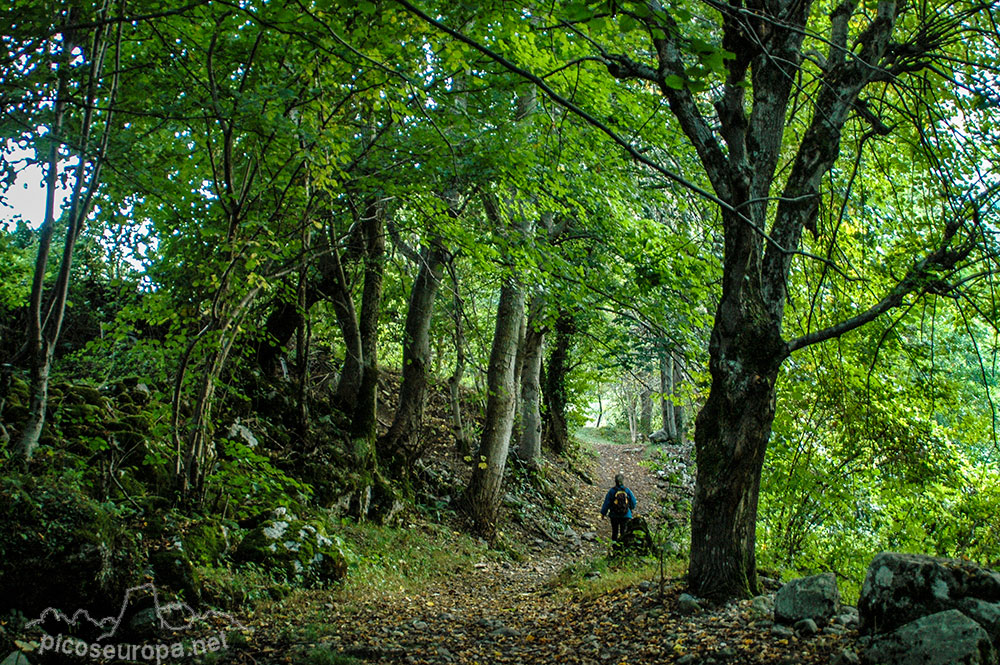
(567,104)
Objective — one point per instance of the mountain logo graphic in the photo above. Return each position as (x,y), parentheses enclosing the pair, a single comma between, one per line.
(173,616)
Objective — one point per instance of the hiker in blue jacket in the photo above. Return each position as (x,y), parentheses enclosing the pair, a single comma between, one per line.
(618,502)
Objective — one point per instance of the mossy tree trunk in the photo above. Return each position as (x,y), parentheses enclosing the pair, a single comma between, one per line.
(485,487)
(364,420)
(731,437)
(484,491)
(529,447)
(398,447)
(555,383)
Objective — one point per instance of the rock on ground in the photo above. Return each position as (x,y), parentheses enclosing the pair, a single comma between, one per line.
(985,614)
(945,638)
(815,597)
(900,588)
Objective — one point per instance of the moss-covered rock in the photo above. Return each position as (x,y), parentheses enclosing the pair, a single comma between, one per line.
(172,568)
(140,394)
(81,420)
(206,542)
(140,422)
(83,394)
(294,549)
(57,391)
(59,548)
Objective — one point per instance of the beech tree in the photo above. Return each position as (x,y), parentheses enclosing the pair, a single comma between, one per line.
(485,487)
(763,54)
(398,446)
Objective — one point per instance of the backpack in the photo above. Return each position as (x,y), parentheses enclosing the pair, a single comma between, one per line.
(619,503)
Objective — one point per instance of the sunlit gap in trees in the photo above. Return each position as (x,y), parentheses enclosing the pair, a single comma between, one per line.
(23,202)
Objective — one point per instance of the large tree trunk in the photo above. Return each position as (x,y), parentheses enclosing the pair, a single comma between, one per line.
(483,493)
(364,420)
(529,448)
(398,445)
(731,439)
(484,490)
(555,383)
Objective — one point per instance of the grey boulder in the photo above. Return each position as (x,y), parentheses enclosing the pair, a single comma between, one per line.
(945,638)
(815,597)
(900,588)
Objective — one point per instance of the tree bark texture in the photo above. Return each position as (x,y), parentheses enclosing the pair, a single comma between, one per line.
(529,447)
(555,383)
(364,417)
(398,446)
(483,493)
(733,429)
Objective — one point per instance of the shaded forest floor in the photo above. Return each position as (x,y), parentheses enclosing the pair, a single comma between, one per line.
(551,598)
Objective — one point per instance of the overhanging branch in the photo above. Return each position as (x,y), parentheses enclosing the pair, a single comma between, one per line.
(921,278)
(568,105)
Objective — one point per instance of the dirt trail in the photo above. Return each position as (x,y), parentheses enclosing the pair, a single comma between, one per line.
(589,532)
(624,459)
(501,612)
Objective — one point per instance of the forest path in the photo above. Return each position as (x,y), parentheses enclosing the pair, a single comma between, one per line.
(501,611)
(526,612)
(497,611)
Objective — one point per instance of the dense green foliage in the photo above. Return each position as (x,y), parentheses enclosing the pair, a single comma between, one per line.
(235,156)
